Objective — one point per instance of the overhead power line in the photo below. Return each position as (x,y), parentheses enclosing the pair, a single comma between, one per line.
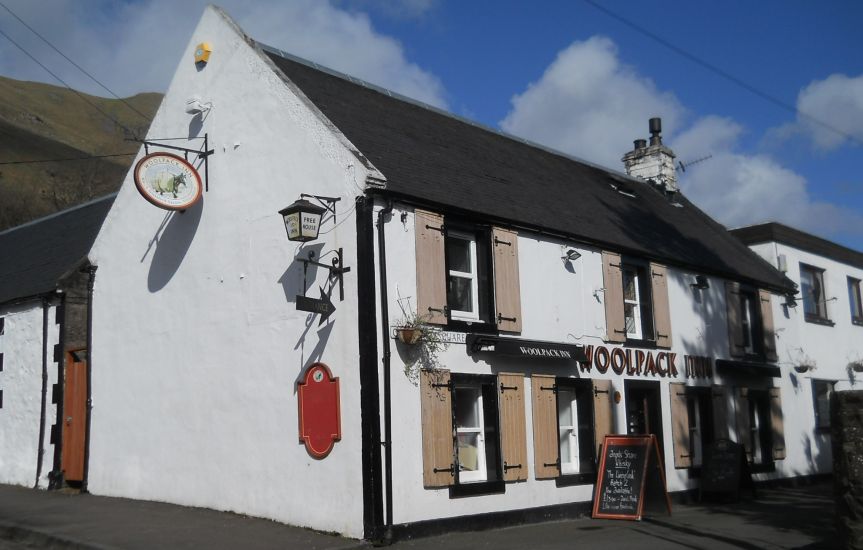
(93,78)
(726,75)
(88,157)
(76,92)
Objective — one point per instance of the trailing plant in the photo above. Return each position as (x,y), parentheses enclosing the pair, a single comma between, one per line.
(421,350)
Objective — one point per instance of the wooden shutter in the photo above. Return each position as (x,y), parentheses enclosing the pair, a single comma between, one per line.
(603,417)
(546,453)
(736,348)
(741,407)
(512,429)
(680,425)
(431,267)
(721,420)
(777,424)
(767,325)
(661,311)
(436,404)
(507,290)
(612,281)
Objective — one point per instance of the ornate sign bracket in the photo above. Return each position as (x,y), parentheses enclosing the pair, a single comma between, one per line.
(200,154)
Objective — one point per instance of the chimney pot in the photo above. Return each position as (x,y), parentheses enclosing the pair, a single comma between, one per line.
(640,144)
(655,131)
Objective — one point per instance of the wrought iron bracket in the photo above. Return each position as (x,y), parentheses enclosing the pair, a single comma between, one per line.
(201,154)
(327,202)
(337,269)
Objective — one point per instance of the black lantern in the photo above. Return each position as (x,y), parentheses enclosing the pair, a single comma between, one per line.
(302,220)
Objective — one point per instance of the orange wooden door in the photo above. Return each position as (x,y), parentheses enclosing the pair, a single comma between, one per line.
(74,416)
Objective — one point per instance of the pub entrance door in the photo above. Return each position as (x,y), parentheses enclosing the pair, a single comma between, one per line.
(644,410)
(74,416)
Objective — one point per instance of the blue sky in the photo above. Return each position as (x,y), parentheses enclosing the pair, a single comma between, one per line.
(565,74)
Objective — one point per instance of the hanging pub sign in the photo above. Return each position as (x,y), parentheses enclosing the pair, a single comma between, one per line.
(319,410)
(167,181)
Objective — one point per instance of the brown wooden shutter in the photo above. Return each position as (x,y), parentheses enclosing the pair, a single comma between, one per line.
(736,348)
(603,417)
(661,311)
(546,453)
(437,431)
(431,267)
(512,428)
(767,325)
(741,407)
(721,420)
(680,425)
(777,424)
(507,290)
(612,281)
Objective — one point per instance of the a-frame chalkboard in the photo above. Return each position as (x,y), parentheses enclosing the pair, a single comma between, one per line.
(725,472)
(630,476)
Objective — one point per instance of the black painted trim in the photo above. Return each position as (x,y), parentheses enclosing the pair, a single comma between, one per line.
(459,490)
(776,232)
(818,320)
(726,366)
(43,405)
(56,475)
(568,480)
(368,365)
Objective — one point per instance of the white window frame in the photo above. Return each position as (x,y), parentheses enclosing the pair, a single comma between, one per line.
(569,464)
(473,277)
(481,473)
(637,333)
(854,300)
(696,441)
(819,302)
(747,322)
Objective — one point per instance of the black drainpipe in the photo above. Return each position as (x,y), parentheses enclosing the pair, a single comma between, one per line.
(385,337)
(91,281)
(41,450)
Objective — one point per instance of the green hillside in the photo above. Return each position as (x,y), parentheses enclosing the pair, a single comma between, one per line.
(44,122)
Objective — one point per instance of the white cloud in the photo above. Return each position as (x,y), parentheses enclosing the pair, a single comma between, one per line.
(835,103)
(135,47)
(591,105)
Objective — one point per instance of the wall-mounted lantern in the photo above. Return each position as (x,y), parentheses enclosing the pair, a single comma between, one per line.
(701,283)
(303,219)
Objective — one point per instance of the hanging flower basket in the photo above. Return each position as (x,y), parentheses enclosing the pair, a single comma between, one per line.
(409,335)
(800,369)
(857,366)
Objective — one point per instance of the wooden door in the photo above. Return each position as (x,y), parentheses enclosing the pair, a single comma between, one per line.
(74,416)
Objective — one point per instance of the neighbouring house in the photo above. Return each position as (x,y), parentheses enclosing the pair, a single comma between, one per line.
(44,300)
(557,302)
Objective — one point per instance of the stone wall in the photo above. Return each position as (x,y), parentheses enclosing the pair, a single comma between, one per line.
(846,416)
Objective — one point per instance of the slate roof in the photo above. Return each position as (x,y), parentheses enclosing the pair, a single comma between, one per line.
(36,255)
(438,159)
(777,232)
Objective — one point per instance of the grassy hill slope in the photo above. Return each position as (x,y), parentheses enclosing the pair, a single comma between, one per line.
(40,122)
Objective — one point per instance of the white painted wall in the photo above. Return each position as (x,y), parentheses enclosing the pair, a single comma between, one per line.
(22,347)
(197,342)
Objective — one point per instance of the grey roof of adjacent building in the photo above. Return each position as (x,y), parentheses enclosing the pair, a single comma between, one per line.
(780,233)
(432,158)
(35,256)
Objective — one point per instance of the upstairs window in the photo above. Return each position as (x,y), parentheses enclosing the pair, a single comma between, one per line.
(812,287)
(467,274)
(854,300)
(750,323)
(636,301)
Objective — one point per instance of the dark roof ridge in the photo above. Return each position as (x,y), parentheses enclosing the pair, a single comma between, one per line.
(59,213)
(395,95)
(780,232)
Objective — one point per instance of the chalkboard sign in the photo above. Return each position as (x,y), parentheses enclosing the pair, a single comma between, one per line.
(725,470)
(629,470)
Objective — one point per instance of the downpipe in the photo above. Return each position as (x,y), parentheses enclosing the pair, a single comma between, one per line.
(385,331)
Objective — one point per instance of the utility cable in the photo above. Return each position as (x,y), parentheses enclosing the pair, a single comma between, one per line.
(93,78)
(728,76)
(79,94)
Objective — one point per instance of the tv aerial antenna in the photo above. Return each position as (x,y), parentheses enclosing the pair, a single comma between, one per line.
(684,165)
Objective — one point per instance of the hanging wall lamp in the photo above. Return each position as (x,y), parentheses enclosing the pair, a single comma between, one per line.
(303,219)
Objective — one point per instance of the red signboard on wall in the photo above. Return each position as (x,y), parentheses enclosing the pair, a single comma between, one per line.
(319,412)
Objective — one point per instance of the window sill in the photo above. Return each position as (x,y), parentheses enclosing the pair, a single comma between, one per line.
(479,327)
(818,320)
(566,480)
(478,488)
(636,343)
(857,321)
(762,468)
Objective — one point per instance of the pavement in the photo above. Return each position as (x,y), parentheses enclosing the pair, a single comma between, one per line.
(785,518)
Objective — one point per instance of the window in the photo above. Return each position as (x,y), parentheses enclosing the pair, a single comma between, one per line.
(636,301)
(695,414)
(466,273)
(760,426)
(822,392)
(750,323)
(570,420)
(575,428)
(812,288)
(473,430)
(462,276)
(2,325)
(854,300)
